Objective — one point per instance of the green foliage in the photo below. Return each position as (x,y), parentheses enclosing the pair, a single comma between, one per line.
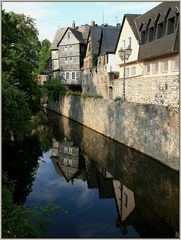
(15,110)
(55,89)
(94,60)
(22,222)
(20,50)
(44,55)
(118,99)
(90,95)
(72,93)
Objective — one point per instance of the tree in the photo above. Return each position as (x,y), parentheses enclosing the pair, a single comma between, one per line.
(20,52)
(44,55)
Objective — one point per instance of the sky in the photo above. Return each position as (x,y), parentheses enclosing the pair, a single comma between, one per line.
(49,16)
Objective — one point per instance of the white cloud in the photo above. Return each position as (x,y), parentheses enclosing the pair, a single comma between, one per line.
(130,7)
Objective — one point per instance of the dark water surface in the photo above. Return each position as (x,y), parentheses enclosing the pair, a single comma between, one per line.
(106,189)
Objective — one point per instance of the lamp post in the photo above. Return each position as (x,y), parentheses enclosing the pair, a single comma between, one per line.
(124,55)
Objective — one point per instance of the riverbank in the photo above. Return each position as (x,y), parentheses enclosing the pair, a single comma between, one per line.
(150,129)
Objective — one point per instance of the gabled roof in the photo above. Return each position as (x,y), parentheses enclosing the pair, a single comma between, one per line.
(131,20)
(60,32)
(80,33)
(109,39)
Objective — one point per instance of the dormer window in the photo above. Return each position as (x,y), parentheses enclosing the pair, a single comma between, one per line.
(160,30)
(143,37)
(151,34)
(170,25)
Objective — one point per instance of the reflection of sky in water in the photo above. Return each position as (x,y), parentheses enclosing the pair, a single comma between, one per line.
(87,215)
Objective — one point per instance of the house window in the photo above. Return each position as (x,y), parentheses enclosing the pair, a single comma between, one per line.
(170,25)
(73,75)
(67,77)
(71,60)
(66,60)
(147,69)
(127,72)
(160,30)
(164,66)
(69,162)
(70,47)
(151,34)
(175,65)
(65,48)
(133,71)
(143,37)
(155,67)
(65,161)
(68,35)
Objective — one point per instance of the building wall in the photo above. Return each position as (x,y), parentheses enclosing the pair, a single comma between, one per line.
(163,90)
(150,129)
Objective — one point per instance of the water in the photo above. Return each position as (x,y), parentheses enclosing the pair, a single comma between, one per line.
(106,189)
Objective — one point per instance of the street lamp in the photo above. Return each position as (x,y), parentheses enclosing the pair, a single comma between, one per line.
(124,55)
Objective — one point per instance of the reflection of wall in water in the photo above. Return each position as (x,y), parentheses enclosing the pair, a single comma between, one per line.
(124,199)
(152,182)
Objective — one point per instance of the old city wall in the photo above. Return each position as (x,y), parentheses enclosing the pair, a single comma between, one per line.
(150,129)
(163,90)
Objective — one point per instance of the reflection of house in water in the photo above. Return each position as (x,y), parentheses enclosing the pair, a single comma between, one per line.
(98,177)
(65,158)
(124,200)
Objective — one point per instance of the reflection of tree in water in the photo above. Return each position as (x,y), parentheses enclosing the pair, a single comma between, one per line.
(20,158)
(20,161)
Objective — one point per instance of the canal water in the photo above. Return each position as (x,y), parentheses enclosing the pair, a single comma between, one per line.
(106,189)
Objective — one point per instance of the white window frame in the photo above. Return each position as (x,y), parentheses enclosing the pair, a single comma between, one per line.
(71,60)
(70,47)
(65,48)
(154,67)
(146,69)
(67,75)
(162,66)
(66,60)
(74,75)
(173,64)
(133,71)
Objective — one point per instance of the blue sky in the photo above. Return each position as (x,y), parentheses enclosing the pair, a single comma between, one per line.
(49,16)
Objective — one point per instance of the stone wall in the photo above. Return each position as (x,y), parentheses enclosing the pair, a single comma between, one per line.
(96,81)
(162,90)
(150,129)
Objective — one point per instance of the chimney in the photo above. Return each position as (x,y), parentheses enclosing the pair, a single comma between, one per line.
(93,23)
(73,24)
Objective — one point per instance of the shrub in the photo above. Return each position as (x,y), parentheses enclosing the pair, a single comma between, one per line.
(118,99)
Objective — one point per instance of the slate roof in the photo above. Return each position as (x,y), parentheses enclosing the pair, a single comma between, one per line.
(109,39)
(59,34)
(164,45)
(84,29)
(131,20)
(95,34)
(153,13)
